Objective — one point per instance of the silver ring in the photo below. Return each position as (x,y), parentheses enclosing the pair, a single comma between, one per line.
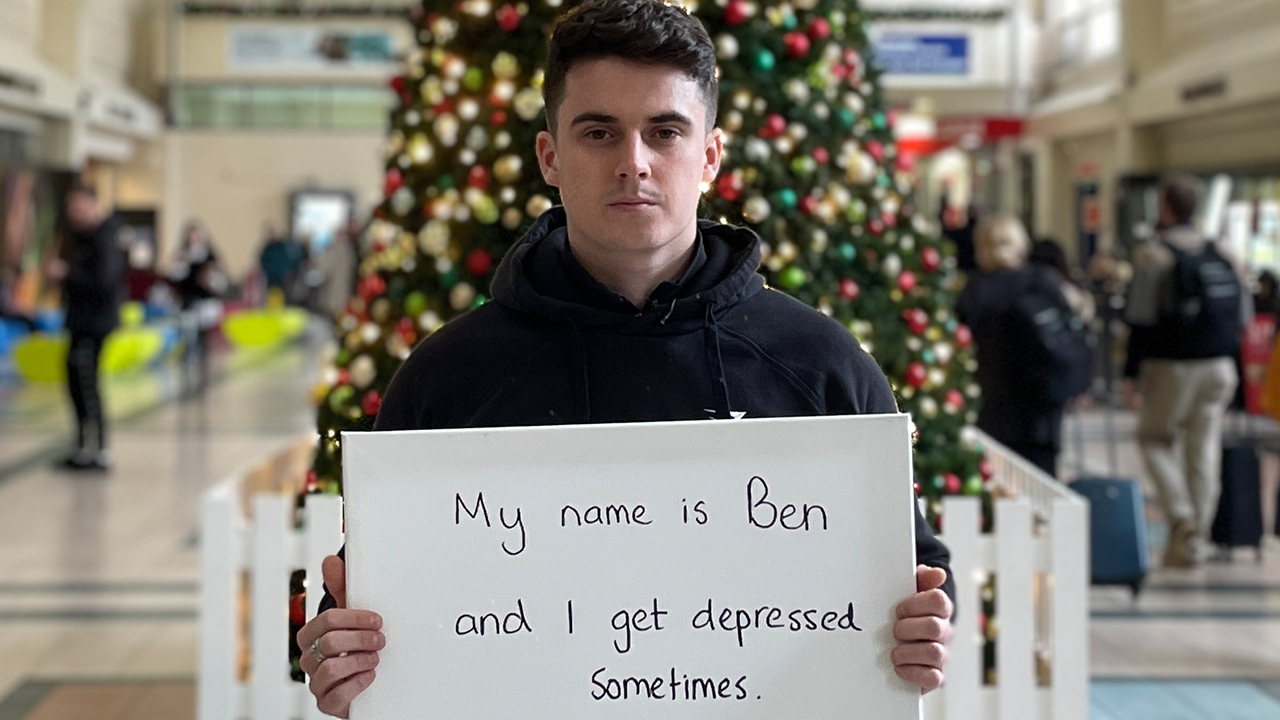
(315,651)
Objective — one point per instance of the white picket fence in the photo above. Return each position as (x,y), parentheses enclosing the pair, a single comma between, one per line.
(1038,552)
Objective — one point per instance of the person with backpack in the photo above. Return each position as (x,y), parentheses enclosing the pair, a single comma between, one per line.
(1187,311)
(1033,350)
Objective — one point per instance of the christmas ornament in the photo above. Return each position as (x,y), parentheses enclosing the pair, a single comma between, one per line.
(461,295)
(508,18)
(964,337)
(393,181)
(774,126)
(726,47)
(916,374)
(797,44)
(371,403)
(756,209)
(793,278)
(951,483)
(849,289)
(737,12)
(730,187)
(507,168)
(478,177)
(537,205)
(819,29)
(479,261)
(907,281)
(363,372)
(931,259)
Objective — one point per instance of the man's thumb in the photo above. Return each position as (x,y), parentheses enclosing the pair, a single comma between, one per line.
(335,579)
(927,578)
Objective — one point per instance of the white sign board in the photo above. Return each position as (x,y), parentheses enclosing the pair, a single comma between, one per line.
(732,569)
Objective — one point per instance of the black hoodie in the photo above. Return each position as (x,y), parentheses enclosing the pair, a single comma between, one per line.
(555,346)
(94,283)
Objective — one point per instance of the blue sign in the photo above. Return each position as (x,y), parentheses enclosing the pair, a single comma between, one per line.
(900,53)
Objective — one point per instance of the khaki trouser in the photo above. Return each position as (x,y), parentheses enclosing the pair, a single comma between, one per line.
(1187,399)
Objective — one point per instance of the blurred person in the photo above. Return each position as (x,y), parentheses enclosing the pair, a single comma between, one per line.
(338,267)
(90,268)
(961,230)
(1049,254)
(624,284)
(202,283)
(1020,363)
(279,259)
(1266,300)
(1187,312)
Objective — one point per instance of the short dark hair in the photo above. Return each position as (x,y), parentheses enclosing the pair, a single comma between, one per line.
(1181,194)
(642,31)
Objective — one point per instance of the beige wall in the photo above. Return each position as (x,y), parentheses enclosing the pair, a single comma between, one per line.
(20,22)
(236,181)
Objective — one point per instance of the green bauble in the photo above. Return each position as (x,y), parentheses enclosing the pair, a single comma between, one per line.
(449,279)
(848,252)
(765,60)
(414,303)
(847,117)
(973,485)
(445,182)
(473,80)
(341,397)
(792,278)
(786,198)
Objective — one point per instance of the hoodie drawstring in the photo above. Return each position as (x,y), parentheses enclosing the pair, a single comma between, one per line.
(718,371)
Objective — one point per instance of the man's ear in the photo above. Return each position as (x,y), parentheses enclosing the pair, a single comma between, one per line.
(714,154)
(548,161)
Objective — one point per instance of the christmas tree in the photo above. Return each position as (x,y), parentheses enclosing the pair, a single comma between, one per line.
(810,164)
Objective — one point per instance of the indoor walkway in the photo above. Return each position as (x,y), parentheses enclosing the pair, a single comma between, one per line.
(98,575)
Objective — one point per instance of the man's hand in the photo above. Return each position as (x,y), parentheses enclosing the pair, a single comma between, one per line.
(347,642)
(923,630)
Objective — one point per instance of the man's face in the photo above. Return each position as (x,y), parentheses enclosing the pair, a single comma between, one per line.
(629,153)
(82,211)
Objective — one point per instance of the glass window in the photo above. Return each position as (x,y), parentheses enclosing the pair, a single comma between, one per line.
(285,107)
(360,107)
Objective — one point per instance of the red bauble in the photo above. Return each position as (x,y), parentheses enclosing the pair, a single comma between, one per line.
(730,187)
(907,281)
(405,324)
(479,261)
(344,377)
(849,289)
(951,484)
(398,84)
(312,483)
(774,126)
(498,118)
(955,399)
(875,149)
(964,337)
(808,204)
(478,177)
(736,13)
(987,469)
(889,219)
(906,160)
(839,72)
(931,259)
(393,182)
(797,43)
(916,374)
(916,487)
(917,320)
(876,226)
(298,609)
(819,29)
(509,18)
(372,286)
(371,403)
(821,155)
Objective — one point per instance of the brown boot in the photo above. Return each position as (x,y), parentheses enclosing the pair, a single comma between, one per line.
(1181,551)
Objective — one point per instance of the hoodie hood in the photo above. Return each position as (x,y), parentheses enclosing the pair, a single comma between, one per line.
(540,276)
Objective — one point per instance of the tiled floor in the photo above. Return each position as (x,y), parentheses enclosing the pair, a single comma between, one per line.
(98,575)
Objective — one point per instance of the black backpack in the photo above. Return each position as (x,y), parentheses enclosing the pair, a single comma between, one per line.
(1058,360)
(1204,321)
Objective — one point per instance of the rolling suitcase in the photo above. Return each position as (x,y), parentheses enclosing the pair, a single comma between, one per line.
(1238,521)
(1118,547)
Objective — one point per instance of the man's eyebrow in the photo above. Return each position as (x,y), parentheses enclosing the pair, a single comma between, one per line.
(593,117)
(671,117)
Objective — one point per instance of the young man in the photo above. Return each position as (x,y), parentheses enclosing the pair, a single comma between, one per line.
(91,270)
(1188,311)
(623,307)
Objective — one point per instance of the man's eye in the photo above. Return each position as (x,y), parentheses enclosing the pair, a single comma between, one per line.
(668,134)
(597,134)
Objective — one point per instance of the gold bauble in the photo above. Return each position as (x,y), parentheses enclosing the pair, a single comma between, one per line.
(537,205)
(507,168)
(461,296)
